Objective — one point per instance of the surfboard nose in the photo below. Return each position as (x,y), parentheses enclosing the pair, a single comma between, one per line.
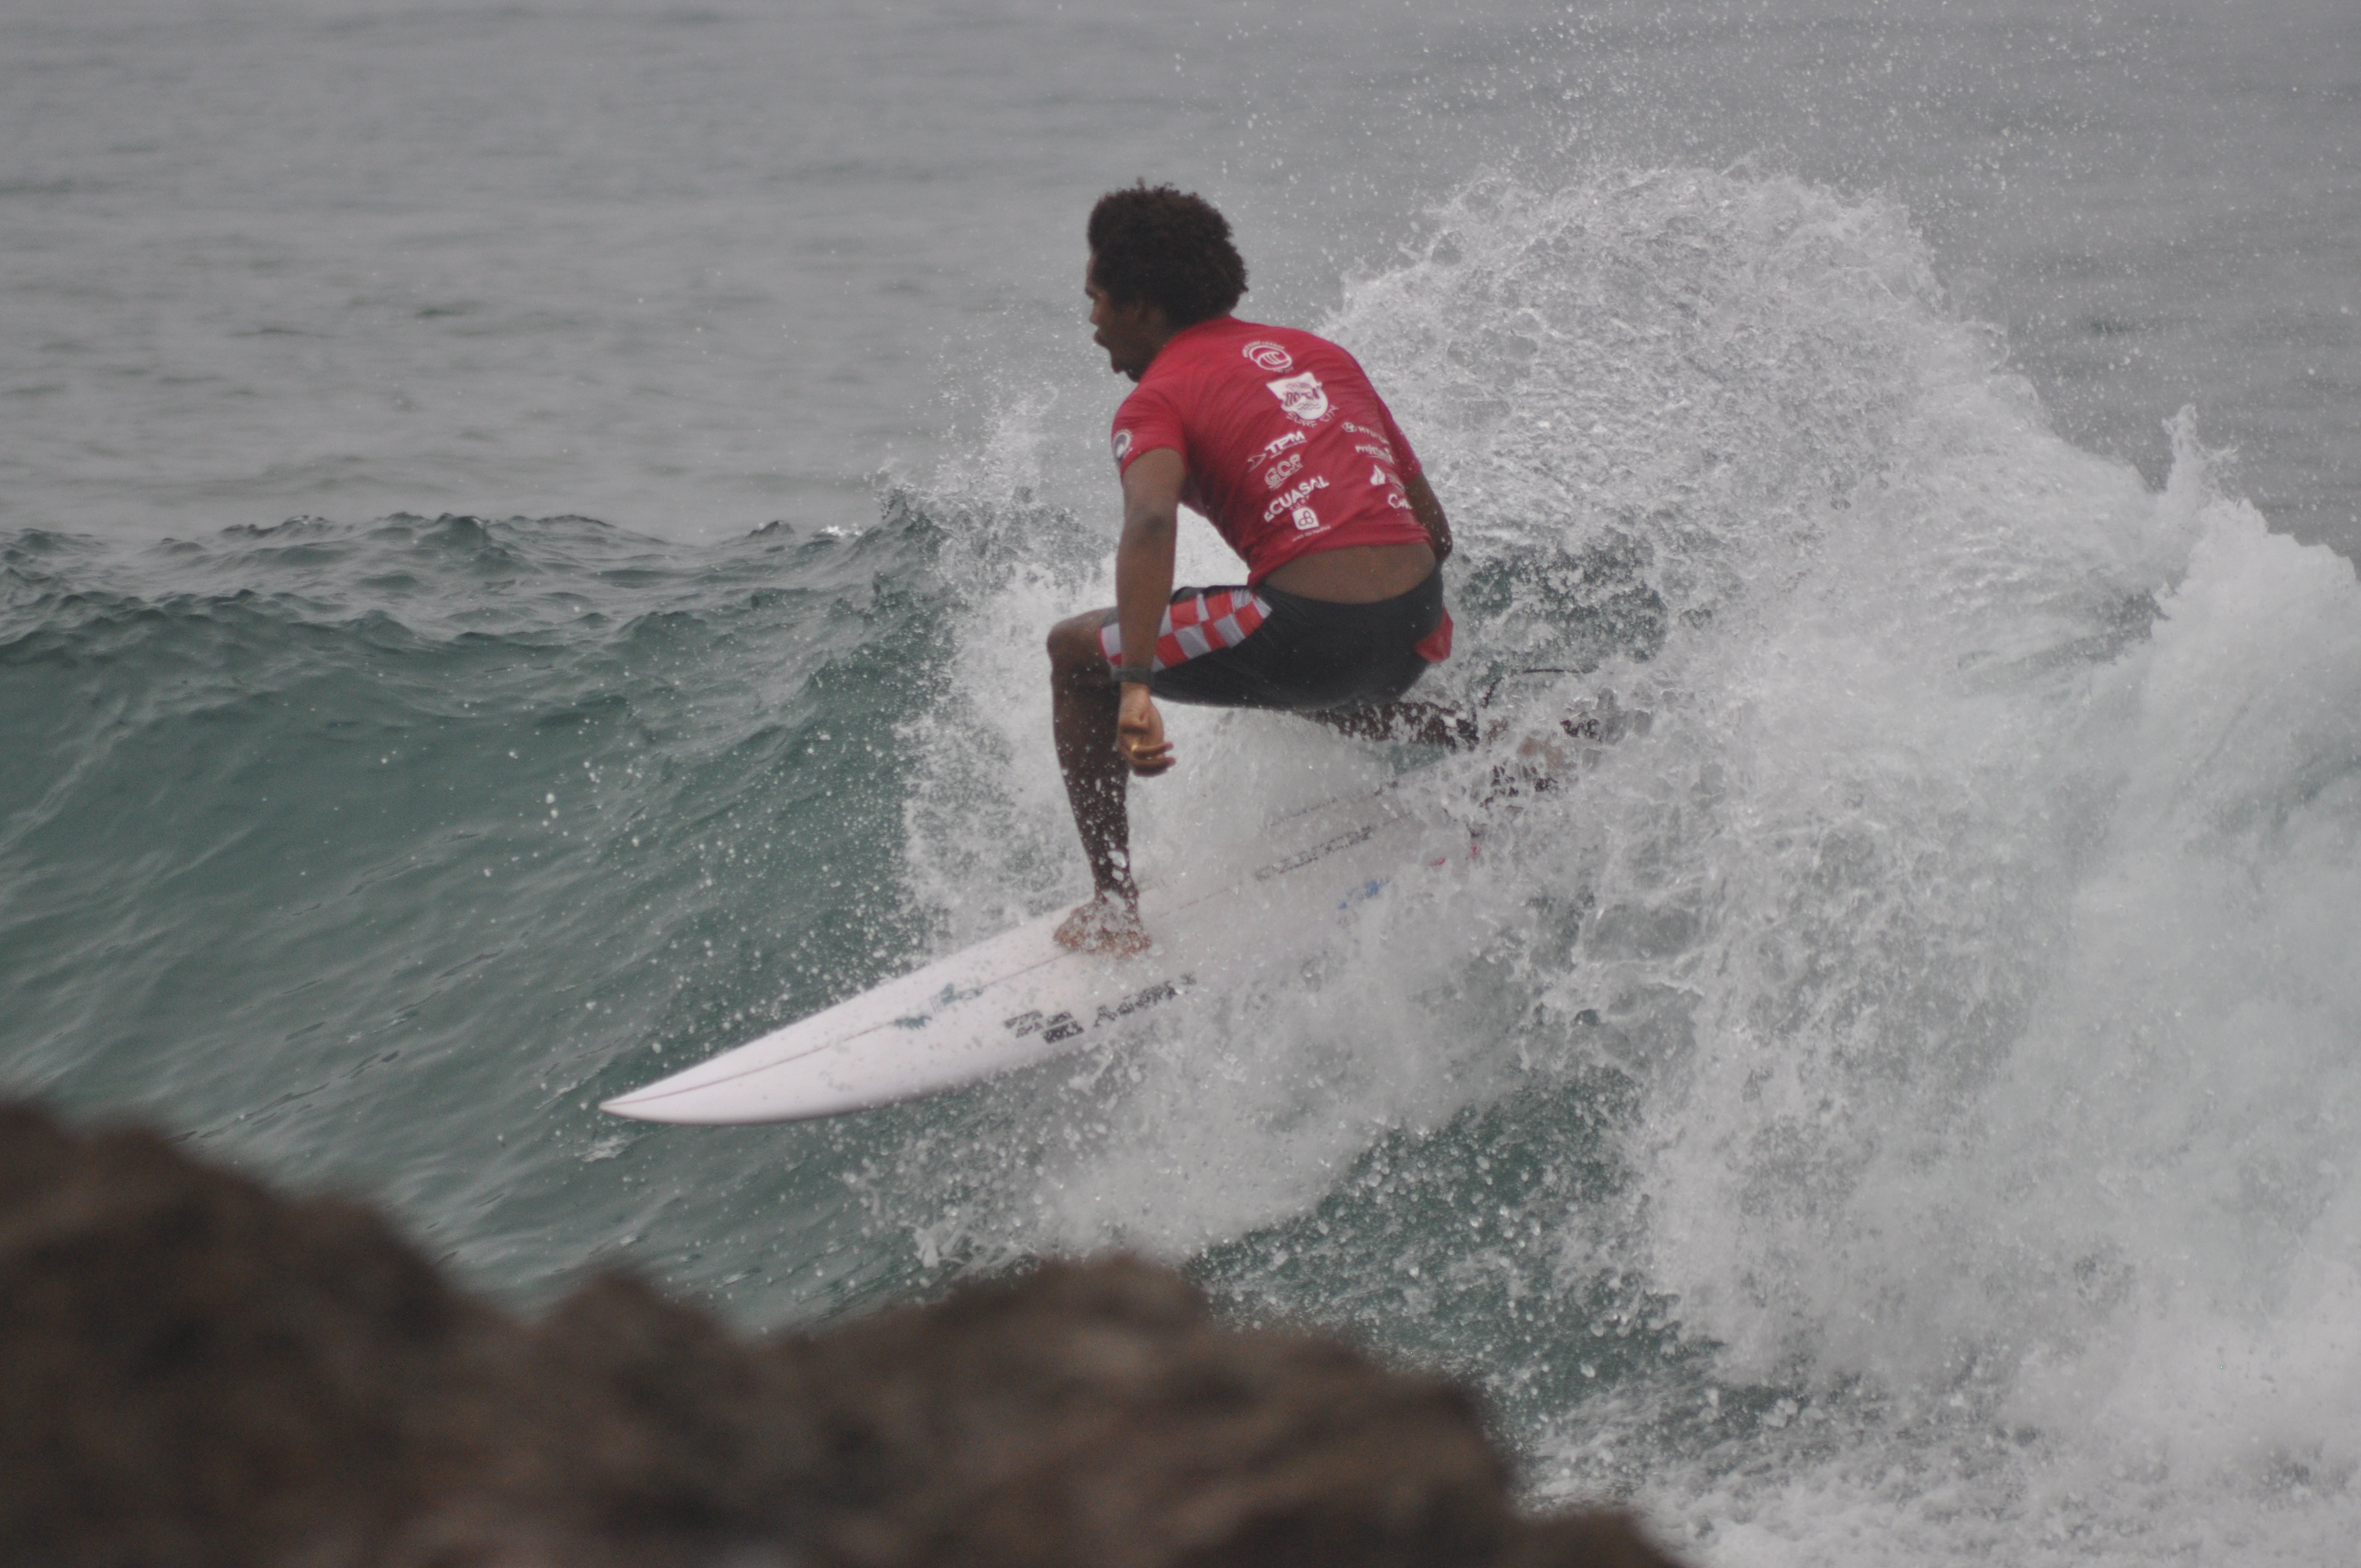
(642,1106)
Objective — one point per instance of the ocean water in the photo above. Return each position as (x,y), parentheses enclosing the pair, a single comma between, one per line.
(525,537)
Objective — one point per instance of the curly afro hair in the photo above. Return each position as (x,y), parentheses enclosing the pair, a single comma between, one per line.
(1169,247)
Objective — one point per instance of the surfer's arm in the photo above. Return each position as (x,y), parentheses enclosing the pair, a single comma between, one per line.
(1428,512)
(1142,582)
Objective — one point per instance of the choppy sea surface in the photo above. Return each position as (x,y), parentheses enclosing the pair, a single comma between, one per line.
(524,536)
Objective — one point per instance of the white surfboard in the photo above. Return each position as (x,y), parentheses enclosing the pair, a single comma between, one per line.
(1019,998)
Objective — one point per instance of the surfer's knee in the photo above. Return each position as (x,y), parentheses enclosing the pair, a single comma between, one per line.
(1074,649)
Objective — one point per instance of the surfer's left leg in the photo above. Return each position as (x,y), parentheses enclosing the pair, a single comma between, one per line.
(1084,704)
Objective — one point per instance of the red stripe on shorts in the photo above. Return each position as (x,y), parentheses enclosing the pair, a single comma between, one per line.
(1196,625)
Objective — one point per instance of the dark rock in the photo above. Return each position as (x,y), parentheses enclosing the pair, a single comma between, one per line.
(195,1372)
(1094,1413)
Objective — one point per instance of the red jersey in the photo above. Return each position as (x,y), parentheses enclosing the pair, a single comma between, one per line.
(1288,448)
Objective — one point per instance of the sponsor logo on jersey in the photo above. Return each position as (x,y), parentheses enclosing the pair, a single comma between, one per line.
(1273,448)
(1377,449)
(1300,398)
(1122,444)
(1268,357)
(1282,471)
(1306,519)
(1316,482)
(1377,473)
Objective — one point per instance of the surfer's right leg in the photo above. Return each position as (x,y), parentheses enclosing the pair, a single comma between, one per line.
(1199,627)
(1410,722)
(1084,703)
(1347,666)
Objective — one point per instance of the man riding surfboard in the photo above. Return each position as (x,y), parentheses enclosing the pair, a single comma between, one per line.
(1277,436)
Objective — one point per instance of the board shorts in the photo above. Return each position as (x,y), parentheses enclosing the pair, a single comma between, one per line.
(1238,647)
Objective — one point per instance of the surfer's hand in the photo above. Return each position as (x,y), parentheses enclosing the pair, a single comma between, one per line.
(1140,733)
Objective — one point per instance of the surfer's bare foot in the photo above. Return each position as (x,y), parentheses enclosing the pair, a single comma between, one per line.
(1108,924)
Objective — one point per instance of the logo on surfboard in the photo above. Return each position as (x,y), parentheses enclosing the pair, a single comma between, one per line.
(1055,1026)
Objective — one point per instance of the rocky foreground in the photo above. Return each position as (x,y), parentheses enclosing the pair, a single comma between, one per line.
(195,1371)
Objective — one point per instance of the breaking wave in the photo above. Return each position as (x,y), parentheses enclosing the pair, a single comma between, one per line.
(1896,1101)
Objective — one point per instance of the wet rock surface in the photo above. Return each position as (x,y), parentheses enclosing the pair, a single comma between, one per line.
(196,1371)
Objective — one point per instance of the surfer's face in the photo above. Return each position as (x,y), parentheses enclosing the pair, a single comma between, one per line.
(1131,333)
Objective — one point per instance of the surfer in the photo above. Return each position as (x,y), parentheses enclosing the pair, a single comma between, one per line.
(1278,438)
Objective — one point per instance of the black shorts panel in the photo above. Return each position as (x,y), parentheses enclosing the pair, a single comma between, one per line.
(1313,655)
